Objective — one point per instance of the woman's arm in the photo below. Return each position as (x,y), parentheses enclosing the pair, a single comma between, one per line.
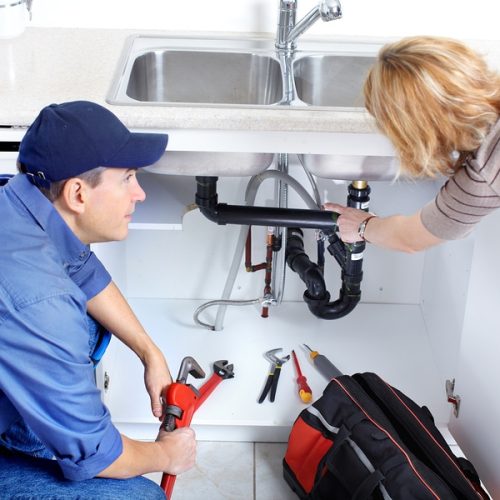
(113,312)
(398,232)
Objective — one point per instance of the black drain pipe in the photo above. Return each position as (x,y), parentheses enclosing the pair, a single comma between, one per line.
(348,256)
(222,213)
(316,295)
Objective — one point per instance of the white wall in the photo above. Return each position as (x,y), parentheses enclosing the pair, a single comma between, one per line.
(478,371)
(464,19)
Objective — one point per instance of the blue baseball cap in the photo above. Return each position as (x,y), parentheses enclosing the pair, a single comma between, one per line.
(71,138)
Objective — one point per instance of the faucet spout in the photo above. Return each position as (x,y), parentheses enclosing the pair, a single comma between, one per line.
(289,31)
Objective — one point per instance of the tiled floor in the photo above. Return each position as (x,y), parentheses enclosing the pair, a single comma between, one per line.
(234,471)
(237,471)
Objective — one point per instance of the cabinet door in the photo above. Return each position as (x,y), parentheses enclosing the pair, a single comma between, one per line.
(477,428)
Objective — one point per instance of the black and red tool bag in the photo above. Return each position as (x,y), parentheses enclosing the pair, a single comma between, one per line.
(364,439)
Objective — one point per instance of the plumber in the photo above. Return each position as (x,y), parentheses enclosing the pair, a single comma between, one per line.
(77,185)
(439,104)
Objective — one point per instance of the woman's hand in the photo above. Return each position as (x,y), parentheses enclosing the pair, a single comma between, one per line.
(348,221)
(404,233)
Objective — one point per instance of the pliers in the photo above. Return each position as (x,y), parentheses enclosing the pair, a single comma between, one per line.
(274,374)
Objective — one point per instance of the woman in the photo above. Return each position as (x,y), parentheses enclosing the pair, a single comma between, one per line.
(439,104)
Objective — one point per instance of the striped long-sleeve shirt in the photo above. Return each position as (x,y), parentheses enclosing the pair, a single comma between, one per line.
(469,195)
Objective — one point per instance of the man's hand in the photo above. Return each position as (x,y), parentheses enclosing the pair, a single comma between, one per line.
(156,378)
(180,448)
(172,452)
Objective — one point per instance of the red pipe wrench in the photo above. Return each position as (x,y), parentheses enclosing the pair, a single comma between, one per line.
(182,400)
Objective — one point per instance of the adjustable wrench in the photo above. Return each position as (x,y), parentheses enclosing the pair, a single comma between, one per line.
(182,400)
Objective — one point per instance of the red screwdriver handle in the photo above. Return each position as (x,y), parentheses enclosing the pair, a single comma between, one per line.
(305,391)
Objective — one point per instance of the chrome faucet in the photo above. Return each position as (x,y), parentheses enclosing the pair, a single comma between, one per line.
(29,4)
(289,31)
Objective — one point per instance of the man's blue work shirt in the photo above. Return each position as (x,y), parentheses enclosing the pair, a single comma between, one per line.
(47,275)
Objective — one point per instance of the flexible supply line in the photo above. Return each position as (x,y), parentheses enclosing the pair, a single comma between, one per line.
(278,273)
(250,195)
(204,306)
(310,178)
(314,186)
(257,180)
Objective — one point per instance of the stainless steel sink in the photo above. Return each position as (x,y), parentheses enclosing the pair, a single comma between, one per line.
(331,80)
(160,71)
(247,73)
(205,77)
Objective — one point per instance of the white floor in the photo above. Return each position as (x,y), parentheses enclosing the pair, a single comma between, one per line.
(236,471)
(232,413)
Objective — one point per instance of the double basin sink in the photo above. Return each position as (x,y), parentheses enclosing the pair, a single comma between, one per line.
(238,73)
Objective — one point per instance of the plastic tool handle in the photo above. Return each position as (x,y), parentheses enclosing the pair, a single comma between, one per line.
(325,366)
(276,377)
(267,387)
(305,392)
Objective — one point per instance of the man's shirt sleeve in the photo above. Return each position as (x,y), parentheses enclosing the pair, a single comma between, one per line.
(46,372)
(91,276)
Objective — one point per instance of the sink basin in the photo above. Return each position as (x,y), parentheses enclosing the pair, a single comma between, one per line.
(205,77)
(331,80)
(164,71)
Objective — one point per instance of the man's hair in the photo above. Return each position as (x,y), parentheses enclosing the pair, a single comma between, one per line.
(434,98)
(91,177)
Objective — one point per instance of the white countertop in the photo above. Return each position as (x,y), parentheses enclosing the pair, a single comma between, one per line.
(46,65)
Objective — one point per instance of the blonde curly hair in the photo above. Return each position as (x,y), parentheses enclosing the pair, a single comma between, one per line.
(434,98)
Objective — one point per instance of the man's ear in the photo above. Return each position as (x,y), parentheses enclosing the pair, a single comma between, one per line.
(74,195)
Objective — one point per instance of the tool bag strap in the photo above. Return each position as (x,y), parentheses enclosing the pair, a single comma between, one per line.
(368,486)
(364,468)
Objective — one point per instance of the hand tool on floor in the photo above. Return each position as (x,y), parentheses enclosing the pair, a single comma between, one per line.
(274,374)
(323,364)
(305,392)
(182,400)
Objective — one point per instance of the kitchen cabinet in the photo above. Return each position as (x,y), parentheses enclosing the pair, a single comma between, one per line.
(423,319)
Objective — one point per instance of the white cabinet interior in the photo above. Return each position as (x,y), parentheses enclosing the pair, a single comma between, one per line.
(397,330)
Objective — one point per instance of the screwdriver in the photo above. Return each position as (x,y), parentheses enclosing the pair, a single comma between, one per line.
(323,364)
(305,392)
